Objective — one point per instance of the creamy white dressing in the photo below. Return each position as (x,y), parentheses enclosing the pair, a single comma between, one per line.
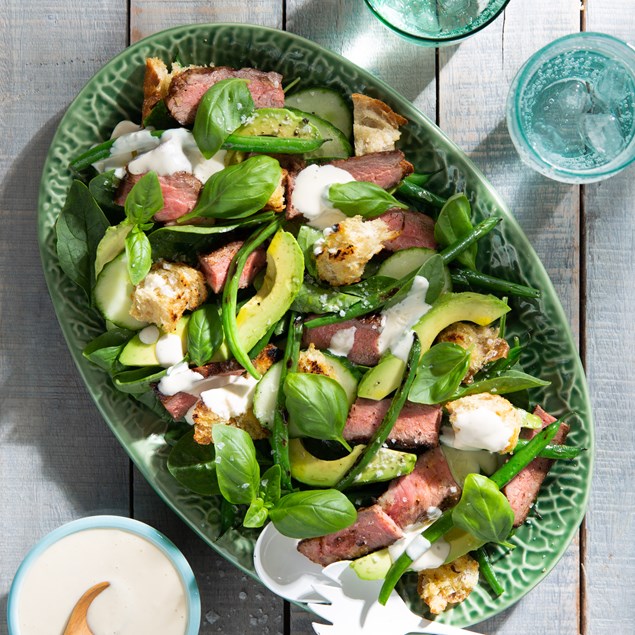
(423,554)
(150,334)
(310,194)
(342,341)
(233,398)
(479,429)
(169,349)
(124,127)
(123,150)
(179,378)
(145,597)
(397,321)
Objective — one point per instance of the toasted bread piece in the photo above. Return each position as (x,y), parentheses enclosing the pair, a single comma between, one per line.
(205,420)
(375,125)
(276,202)
(155,84)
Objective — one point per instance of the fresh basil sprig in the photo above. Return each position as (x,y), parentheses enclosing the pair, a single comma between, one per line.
(223,109)
(483,510)
(439,374)
(454,222)
(204,334)
(144,200)
(362,198)
(317,406)
(138,254)
(268,496)
(237,191)
(193,465)
(504,383)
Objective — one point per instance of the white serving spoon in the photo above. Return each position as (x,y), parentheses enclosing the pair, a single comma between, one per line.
(335,593)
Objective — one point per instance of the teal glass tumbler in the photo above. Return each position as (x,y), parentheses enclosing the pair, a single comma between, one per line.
(436,22)
(571,108)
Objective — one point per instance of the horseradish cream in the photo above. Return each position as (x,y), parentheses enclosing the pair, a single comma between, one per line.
(233,397)
(169,349)
(424,555)
(342,341)
(145,597)
(479,429)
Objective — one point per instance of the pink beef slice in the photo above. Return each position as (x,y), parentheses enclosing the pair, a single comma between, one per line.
(365,348)
(177,405)
(372,530)
(417,230)
(216,265)
(180,194)
(385,169)
(188,88)
(430,485)
(416,427)
(522,491)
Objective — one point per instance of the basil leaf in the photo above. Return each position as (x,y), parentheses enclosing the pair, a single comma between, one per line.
(239,190)
(312,513)
(139,255)
(439,374)
(104,350)
(507,382)
(139,380)
(256,515)
(270,486)
(362,198)
(483,510)
(193,465)
(223,109)
(144,200)
(79,228)
(237,470)
(317,406)
(204,334)
(454,222)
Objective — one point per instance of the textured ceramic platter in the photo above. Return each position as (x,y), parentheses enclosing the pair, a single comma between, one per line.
(115,93)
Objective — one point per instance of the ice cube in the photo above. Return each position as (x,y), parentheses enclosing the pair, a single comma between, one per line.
(553,143)
(613,84)
(602,133)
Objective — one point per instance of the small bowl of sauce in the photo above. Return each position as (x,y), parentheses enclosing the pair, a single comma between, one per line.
(152,587)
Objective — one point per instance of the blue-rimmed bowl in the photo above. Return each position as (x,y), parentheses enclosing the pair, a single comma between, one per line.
(122,523)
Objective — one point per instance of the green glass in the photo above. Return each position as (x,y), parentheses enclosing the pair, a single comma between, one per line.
(436,22)
(571,108)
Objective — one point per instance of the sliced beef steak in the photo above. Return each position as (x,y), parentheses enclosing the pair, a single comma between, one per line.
(385,169)
(365,348)
(187,89)
(180,194)
(215,265)
(522,491)
(417,425)
(417,230)
(372,530)
(429,486)
(177,405)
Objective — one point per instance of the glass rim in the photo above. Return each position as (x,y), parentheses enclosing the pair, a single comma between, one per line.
(427,39)
(521,79)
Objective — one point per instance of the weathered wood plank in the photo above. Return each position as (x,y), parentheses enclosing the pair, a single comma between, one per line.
(610,357)
(58,459)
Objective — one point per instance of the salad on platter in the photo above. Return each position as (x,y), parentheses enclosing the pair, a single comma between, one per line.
(280,284)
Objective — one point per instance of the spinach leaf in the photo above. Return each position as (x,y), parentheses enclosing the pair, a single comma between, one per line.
(483,510)
(504,383)
(237,470)
(312,513)
(454,223)
(103,187)
(317,406)
(138,254)
(270,486)
(204,334)
(362,198)
(79,228)
(307,236)
(257,514)
(312,298)
(144,200)
(104,349)
(239,190)
(139,380)
(160,118)
(224,107)
(439,374)
(193,465)
(436,273)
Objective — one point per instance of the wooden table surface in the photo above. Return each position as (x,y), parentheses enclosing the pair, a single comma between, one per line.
(58,459)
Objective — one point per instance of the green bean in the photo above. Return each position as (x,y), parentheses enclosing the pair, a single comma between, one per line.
(553,451)
(483,228)
(389,420)
(411,190)
(280,432)
(488,572)
(468,277)
(230,293)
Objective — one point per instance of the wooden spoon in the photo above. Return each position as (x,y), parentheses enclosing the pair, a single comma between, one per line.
(77,624)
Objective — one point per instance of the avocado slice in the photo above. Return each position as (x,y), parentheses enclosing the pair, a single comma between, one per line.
(449,308)
(386,465)
(136,353)
(278,122)
(111,245)
(283,279)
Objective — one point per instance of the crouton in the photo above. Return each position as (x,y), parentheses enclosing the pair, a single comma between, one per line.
(448,584)
(166,293)
(375,125)
(314,361)
(496,425)
(482,341)
(205,420)
(347,249)
(276,202)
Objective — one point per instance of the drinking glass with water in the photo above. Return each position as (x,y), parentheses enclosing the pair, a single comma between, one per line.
(571,108)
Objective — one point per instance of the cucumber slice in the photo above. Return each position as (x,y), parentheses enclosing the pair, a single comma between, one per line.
(403,262)
(113,294)
(325,103)
(342,374)
(337,145)
(266,395)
